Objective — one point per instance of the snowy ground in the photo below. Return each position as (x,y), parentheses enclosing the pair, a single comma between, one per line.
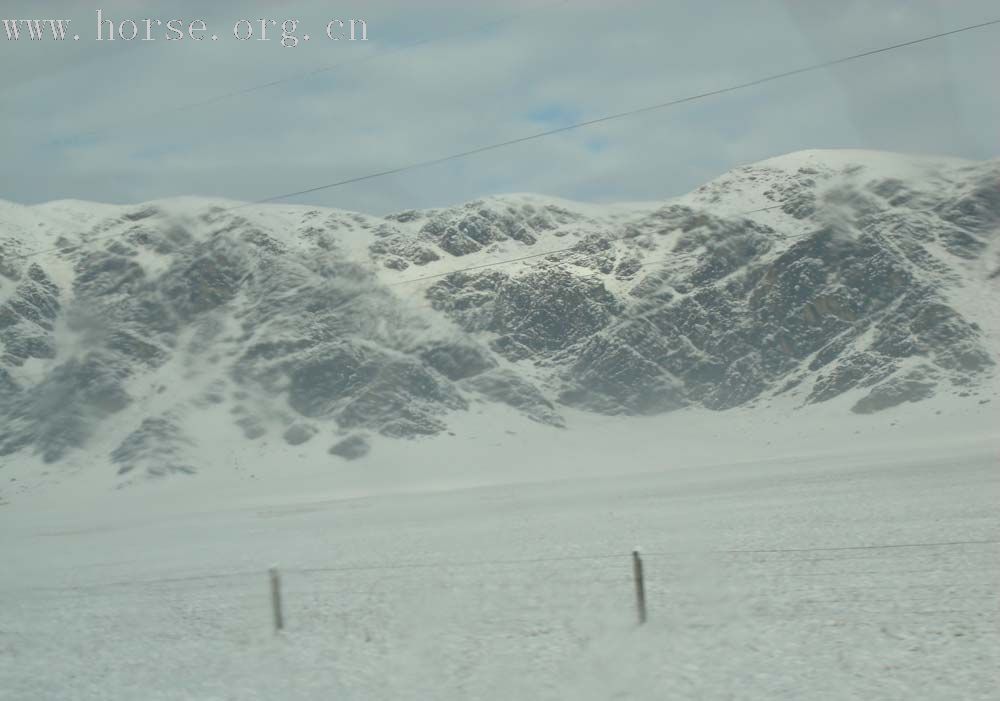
(767,578)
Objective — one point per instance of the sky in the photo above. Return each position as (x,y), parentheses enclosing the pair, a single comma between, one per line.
(127,122)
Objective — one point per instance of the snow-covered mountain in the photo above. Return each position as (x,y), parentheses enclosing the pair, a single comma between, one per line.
(797,280)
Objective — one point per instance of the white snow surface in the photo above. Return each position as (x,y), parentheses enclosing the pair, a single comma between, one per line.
(790,552)
(791,555)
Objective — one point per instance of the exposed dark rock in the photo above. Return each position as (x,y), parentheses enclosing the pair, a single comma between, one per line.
(623,371)
(63,411)
(297,434)
(857,278)
(858,369)
(549,310)
(473,227)
(204,283)
(252,427)
(403,248)
(893,392)
(457,361)
(157,447)
(351,448)
(317,387)
(509,388)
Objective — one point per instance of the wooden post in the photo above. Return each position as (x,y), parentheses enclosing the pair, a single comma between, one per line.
(640,586)
(279,620)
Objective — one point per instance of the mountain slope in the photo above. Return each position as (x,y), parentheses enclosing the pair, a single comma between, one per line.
(798,279)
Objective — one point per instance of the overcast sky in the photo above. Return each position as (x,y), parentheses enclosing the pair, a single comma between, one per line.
(99,121)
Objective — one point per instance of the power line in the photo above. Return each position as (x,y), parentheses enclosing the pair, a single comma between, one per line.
(615,116)
(445,564)
(855,573)
(939,544)
(579,125)
(666,553)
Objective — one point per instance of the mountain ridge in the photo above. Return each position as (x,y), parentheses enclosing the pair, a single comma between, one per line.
(805,277)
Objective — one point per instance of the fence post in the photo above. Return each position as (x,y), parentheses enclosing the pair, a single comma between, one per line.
(640,585)
(279,620)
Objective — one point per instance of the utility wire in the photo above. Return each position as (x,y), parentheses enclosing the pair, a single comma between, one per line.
(579,125)
(446,564)
(615,116)
(939,544)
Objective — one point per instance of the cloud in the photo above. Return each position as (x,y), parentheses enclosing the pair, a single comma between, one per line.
(95,121)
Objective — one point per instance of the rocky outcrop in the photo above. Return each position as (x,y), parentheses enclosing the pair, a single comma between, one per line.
(813,277)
